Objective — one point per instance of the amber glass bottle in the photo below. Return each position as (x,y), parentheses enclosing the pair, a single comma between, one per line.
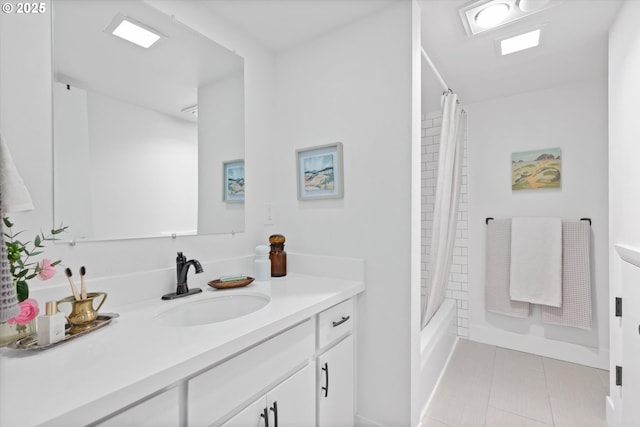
(277,256)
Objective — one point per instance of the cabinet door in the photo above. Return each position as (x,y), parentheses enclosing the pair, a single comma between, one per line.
(630,320)
(292,403)
(214,394)
(335,385)
(251,416)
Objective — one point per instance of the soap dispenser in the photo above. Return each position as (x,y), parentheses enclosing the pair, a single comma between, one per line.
(262,263)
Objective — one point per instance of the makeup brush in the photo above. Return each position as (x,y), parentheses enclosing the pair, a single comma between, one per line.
(73,287)
(83,285)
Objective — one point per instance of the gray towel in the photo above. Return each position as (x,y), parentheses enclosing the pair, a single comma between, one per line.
(497,299)
(576,279)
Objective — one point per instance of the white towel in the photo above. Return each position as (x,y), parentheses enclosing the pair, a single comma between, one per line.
(498,270)
(15,196)
(536,261)
(576,279)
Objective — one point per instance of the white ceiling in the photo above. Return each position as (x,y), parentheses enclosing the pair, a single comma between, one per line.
(282,24)
(573,46)
(573,41)
(165,77)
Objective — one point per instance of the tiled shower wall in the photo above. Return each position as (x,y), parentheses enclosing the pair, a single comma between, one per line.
(458,287)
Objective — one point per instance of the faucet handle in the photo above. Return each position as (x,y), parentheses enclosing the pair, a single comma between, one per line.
(181,257)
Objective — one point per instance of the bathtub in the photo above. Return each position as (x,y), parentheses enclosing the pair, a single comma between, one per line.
(437,341)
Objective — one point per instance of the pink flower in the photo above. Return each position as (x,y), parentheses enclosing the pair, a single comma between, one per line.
(28,311)
(45,269)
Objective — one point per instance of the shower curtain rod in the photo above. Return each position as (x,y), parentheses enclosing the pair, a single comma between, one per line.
(435,71)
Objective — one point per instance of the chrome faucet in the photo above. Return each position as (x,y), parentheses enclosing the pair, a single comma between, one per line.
(182,268)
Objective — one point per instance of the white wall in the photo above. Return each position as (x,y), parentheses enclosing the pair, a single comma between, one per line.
(25,121)
(220,134)
(71,130)
(624,176)
(144,165)
(354,86)
(574,118)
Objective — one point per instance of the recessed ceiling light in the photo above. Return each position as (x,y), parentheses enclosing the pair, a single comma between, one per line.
(133,31)
(485,15)
(520,42)
(492,15)
(532,5)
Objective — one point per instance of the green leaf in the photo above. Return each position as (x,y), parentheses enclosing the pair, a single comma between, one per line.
(36,253)
(59,230)
(36,240)
(7,223)
(53,264)
(22,289)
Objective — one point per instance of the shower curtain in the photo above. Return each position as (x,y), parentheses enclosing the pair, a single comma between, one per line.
(445,214)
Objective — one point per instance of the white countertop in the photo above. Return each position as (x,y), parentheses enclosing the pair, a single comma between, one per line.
(136,355)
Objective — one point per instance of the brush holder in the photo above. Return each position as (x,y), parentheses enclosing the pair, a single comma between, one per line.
(83,314)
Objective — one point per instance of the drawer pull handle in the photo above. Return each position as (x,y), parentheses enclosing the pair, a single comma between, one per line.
(265,415)
(341,321)
(326,375)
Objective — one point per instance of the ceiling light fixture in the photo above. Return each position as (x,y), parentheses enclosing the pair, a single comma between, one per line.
(485,15)
(133,31)
(492,15)
(532,5)
(520,42)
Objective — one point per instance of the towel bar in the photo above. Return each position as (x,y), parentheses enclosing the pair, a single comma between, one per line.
(487,219)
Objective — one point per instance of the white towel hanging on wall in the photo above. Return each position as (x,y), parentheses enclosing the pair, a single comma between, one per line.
(536,261)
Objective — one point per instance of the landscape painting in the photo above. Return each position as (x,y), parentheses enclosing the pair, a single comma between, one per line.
(320,172)
(535,169)
(234,181)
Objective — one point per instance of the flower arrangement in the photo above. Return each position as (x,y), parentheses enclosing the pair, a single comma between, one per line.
(23,268)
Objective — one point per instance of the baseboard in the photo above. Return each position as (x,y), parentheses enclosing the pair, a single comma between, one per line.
(574,353)
(361,421)
(435,387)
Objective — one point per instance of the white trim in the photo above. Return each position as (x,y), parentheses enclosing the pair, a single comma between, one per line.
(574,353)
(361,421)
(628,254)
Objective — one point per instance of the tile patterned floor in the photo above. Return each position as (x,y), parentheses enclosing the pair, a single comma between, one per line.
(487,386)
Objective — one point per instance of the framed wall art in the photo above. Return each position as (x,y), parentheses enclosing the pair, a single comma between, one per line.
(320,174)
(233,181)
(532,170)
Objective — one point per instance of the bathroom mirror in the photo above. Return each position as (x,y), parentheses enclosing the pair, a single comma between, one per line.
(141,134)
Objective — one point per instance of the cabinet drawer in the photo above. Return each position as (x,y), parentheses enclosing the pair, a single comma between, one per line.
(160,410)
(223,389)
(335,322)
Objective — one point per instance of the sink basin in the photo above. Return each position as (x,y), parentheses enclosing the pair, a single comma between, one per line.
(213,309)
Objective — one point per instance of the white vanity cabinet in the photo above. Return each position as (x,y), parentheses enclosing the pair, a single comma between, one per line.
(290,404)
(335,367)
(147,373)
(220,392)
